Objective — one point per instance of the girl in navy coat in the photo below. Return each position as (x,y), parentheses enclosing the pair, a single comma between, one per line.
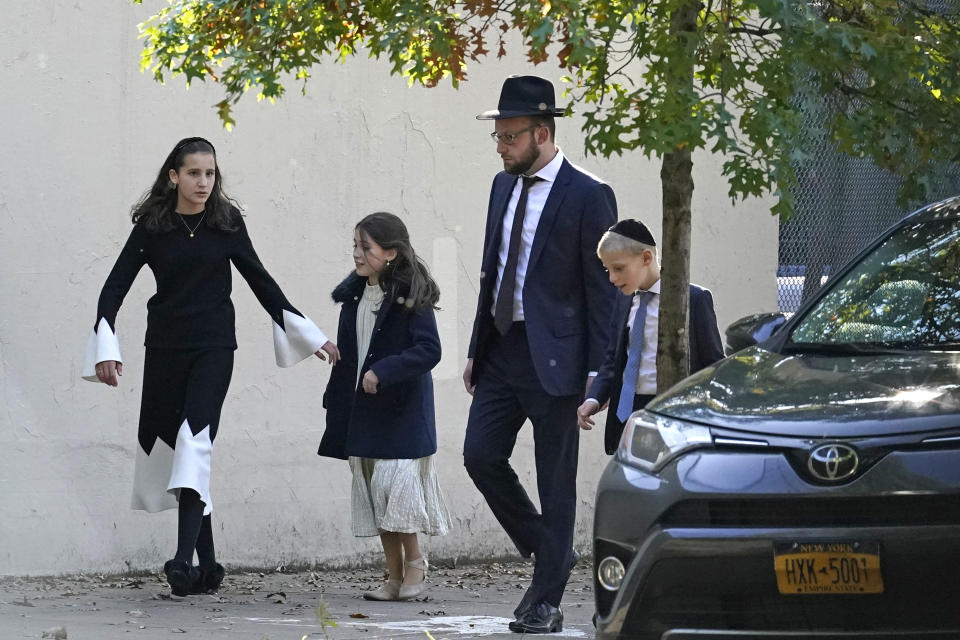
(379,400)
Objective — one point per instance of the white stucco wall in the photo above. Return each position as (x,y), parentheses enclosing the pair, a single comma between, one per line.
(84,133)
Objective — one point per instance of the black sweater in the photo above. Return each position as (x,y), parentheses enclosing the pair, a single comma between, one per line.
(191,308)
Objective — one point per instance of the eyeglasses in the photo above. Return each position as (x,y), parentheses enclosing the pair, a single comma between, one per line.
(510,138)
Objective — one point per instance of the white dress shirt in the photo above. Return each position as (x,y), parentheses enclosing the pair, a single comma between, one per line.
(536,199)
(647,378)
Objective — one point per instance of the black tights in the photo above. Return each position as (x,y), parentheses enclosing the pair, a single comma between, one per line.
(194,531)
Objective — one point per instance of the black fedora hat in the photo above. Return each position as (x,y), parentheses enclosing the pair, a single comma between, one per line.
(524,96)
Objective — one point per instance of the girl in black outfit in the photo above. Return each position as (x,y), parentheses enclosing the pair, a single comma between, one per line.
(188,232)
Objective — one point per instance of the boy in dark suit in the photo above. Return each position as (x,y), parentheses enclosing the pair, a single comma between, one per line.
(628,377)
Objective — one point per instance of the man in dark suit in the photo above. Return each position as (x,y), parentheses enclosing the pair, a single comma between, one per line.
(540,330)
(628,377)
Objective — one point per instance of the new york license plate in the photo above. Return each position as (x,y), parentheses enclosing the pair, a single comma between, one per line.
(830,567)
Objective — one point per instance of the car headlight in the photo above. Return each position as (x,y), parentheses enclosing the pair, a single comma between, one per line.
(650,441)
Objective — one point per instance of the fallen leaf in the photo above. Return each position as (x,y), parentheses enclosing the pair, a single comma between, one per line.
(358,615)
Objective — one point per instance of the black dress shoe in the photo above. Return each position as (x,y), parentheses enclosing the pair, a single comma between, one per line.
(180,576)
(527,601)
(543,618)
(208,580)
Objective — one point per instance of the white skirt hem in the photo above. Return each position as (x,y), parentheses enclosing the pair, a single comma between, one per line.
(400,496)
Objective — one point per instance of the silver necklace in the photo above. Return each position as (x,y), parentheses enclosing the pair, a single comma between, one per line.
(194,230)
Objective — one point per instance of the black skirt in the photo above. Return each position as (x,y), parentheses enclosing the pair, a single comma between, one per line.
(183,392)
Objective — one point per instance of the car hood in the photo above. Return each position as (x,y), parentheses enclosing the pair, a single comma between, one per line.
(821,395)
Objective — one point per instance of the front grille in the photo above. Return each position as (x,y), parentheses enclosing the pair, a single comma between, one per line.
(741,594)
(879,511)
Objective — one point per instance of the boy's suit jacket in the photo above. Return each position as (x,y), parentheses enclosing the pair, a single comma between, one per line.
(706,348)
(567,299)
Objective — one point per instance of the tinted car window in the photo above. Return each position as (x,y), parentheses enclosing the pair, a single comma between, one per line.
(904,294)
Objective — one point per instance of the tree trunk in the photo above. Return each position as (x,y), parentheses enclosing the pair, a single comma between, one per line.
(673,359)
(676,179)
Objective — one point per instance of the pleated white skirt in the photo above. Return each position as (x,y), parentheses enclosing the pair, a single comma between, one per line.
(402,496)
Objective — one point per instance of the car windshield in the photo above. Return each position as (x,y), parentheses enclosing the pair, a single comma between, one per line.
(904,295)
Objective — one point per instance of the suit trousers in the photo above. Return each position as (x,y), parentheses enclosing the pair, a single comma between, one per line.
(507,393)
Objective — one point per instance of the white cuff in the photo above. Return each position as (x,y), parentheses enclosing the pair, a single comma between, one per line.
(594,401)
(102,345)
(298,339)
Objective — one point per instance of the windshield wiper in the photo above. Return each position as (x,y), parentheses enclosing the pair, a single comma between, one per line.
(940,346)
(843,348)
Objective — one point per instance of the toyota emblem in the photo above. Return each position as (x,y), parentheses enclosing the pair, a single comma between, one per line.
(833,462)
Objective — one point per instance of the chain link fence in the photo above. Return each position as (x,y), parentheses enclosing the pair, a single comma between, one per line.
(841,203)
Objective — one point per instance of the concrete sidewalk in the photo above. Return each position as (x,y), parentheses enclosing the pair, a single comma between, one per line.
(464,602)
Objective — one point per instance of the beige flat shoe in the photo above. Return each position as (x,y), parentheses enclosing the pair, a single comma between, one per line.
(409,591)
(389,590)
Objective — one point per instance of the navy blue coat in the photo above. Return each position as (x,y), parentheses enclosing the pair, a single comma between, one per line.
(705,348)
(398,421)
(567,298)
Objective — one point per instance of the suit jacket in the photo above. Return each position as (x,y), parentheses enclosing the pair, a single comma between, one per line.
(567,298)
(397,421)
(706,348)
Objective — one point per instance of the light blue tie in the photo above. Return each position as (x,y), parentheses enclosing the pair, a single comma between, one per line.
(632,370)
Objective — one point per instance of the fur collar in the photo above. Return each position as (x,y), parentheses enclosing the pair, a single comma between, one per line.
(351,288)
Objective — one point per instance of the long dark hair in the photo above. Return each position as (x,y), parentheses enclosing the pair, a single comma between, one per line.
(157,208)
(406,275)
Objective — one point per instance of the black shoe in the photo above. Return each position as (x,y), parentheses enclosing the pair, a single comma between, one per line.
(527,601)
(208,580)
(543,618)
(180,576)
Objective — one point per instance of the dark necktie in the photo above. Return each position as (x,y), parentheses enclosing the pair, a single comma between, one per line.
(632,371)
(503,312)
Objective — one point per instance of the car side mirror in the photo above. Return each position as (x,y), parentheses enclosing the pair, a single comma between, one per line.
(750,330)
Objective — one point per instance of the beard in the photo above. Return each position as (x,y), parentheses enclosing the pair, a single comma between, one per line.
(522,163)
